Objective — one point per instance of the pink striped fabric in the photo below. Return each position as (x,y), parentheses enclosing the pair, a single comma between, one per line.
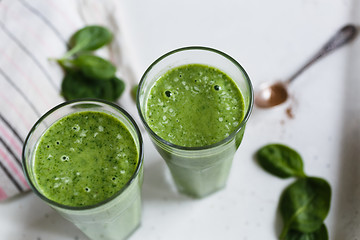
(2,194)
(31,33)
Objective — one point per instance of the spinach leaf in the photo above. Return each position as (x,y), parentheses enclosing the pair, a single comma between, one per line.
(106,90)
(88,38)
(134,92)
(76,85)
(87,75)
(118,87)
(95,67)
(320,234)
(65,63)
(304,205)
(280,161)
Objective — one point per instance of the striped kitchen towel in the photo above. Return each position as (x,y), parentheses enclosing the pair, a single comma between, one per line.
(32,32)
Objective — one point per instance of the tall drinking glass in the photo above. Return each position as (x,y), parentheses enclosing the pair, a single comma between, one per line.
(197,171)
(113,218)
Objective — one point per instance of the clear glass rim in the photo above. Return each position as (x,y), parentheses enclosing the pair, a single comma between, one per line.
(85,101)
(225,140)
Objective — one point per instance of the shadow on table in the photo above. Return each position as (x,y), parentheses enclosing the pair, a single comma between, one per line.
(347,205)
(158,184)
(36,220)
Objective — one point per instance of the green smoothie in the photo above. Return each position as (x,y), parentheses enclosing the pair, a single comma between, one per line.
(194,105)
(84,158)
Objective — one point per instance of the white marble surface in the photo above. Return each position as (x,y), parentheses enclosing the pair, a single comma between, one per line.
(270,39)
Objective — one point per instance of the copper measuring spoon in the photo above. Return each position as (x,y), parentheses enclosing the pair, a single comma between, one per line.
(271,94)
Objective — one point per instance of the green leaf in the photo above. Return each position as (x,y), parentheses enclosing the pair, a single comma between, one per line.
(304,205)
(280,161)
(320,234)
(118,86)
(134,92)
(88,39)
(76,85)
(65,63)
(107,90)
(95,67)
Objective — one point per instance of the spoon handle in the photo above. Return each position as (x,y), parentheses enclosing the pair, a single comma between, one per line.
(343,36)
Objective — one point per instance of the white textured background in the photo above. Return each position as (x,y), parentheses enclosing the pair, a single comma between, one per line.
(270,39)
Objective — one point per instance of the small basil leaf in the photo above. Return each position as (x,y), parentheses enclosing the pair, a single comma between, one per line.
(280,161)
(304,205)
(320,234)
(88,39)
(75,85)
(95,67)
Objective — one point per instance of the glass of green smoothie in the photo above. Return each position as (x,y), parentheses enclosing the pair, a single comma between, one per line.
(84,158)
(194,102)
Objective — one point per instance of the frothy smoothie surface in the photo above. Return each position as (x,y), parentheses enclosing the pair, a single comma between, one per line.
(84,158)
(194,105)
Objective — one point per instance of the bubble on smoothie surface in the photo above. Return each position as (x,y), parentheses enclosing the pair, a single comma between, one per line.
(168,93)
(76,127)
(101,128)
(217,87)
(64,158)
